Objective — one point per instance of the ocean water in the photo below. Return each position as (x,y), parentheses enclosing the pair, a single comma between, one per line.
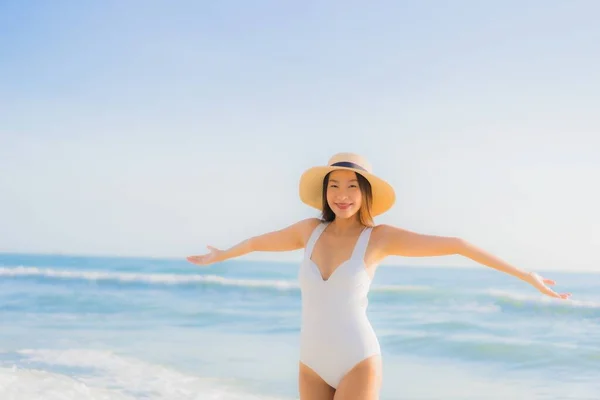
(133,328)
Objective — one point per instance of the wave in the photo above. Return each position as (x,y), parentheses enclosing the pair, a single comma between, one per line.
(173,279)
(30,384)
(479,301)
(97,374)
(492,348)
(129,277)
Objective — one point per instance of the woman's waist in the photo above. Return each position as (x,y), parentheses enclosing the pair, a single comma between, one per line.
(334,305)
(340,319)
(342,332)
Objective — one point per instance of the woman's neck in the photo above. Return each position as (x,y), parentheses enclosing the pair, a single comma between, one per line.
(343,226)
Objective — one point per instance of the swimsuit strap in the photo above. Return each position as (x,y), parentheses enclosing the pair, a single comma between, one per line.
(361,244)
(313,238)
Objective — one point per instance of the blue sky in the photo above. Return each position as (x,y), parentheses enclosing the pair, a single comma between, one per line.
(155,128)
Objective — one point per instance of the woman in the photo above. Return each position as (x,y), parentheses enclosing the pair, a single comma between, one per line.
(340,356)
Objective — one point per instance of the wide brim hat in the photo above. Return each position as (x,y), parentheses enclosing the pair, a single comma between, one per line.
(311,182)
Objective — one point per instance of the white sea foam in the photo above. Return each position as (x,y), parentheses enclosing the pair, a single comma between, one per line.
(28,384)
(177,279)
(111,376)
(167,279)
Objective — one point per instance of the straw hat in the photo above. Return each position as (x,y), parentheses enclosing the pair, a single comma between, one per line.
(311,182)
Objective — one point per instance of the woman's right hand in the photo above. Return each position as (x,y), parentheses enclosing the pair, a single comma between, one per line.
(214,255)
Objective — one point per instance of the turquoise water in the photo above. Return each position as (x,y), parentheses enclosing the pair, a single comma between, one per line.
(134,328)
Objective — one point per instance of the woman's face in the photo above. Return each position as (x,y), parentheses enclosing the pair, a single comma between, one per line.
(343,193)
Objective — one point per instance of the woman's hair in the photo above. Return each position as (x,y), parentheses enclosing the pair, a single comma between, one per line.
(365,216)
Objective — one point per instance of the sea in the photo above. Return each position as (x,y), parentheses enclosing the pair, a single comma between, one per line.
(112,328)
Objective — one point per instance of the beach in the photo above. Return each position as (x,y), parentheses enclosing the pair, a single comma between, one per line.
(84,327)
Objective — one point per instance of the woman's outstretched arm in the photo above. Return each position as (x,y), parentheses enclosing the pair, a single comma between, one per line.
(401,242)
(289,238)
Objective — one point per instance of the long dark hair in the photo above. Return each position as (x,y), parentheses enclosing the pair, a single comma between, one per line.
(365,216)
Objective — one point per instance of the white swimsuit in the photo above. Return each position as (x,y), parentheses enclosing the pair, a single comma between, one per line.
(336,333)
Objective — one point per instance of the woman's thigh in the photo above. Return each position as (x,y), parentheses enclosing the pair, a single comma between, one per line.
(362,382)
(312,387)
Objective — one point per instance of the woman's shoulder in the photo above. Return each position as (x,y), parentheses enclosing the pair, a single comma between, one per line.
(310,224)
(382,231)
(305,227)
(384,228)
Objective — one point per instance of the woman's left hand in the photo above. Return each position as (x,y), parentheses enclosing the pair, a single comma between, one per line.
(541,284)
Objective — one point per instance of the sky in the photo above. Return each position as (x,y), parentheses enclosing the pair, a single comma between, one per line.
(157,128)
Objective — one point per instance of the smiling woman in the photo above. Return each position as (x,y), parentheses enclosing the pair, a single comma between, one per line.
(340,356)
(359,189)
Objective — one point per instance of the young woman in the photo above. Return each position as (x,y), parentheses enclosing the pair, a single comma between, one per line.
(340,354)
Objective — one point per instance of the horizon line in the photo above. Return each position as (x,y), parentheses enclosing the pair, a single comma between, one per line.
(253,260)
